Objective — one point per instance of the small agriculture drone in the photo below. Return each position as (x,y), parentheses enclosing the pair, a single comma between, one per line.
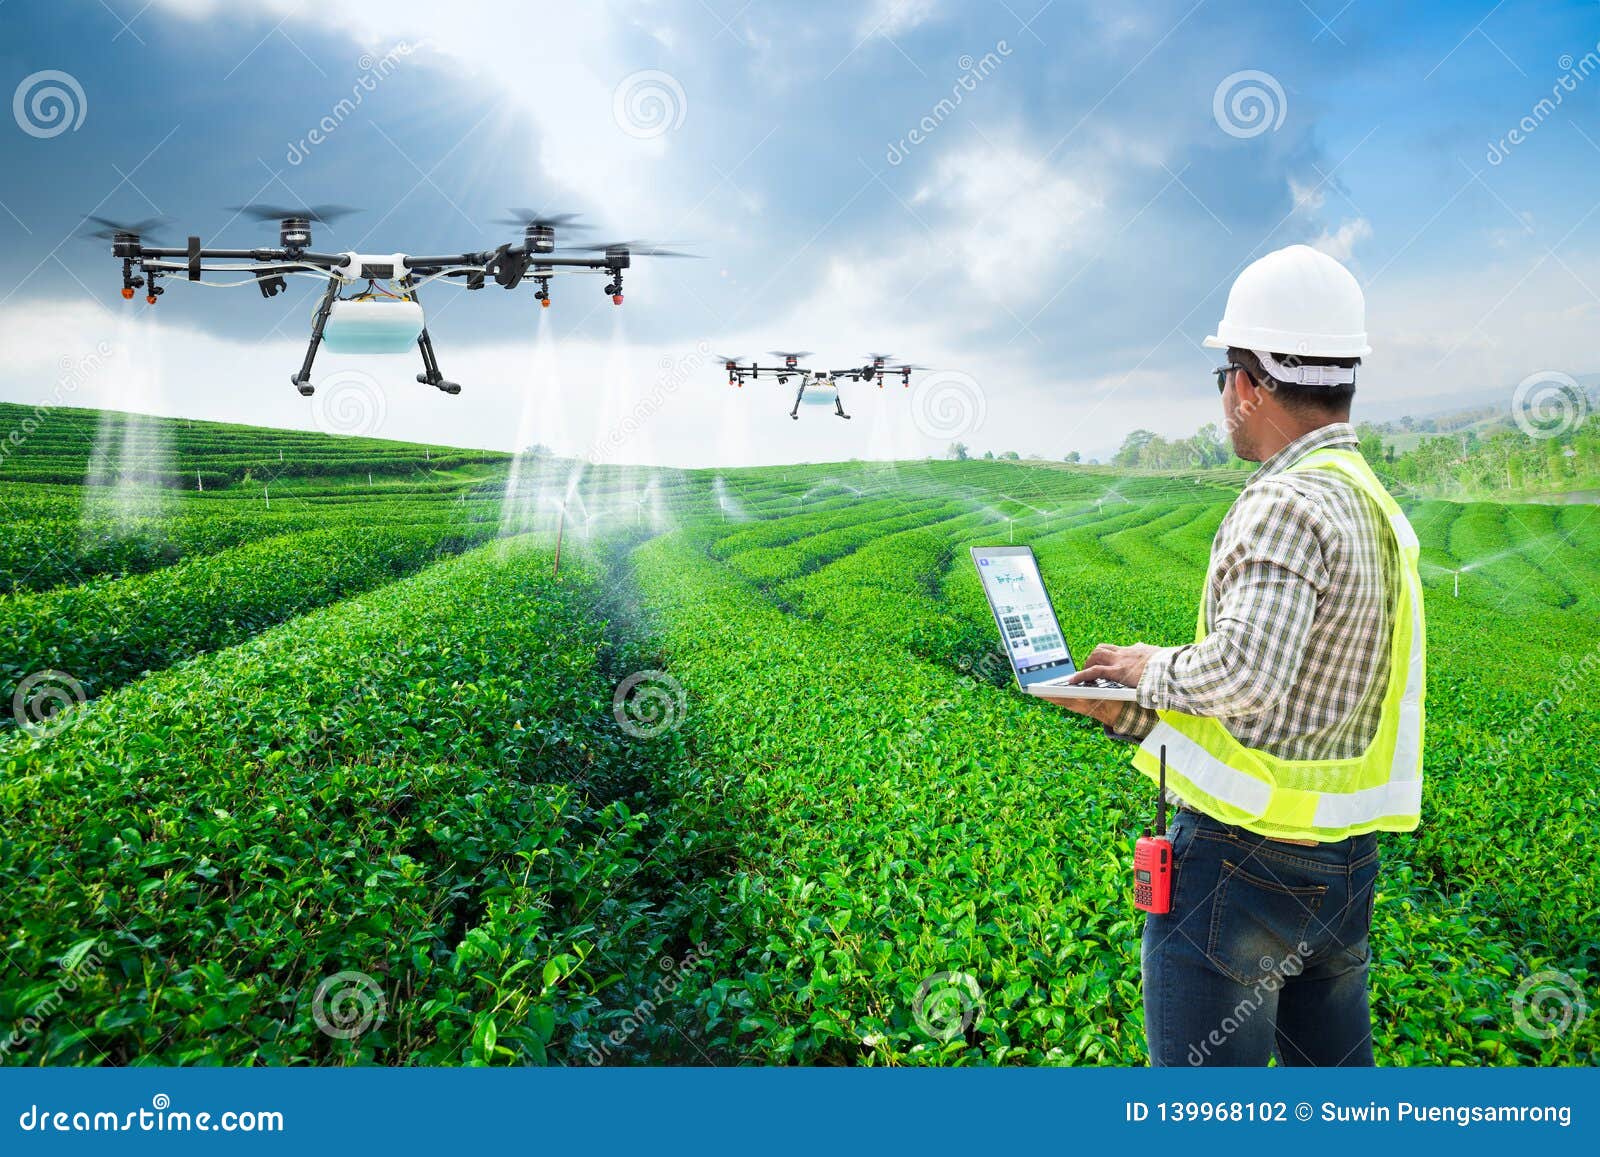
(369,319)
(818,387)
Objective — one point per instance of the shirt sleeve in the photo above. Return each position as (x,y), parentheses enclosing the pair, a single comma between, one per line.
(1133,724)
(1270,572)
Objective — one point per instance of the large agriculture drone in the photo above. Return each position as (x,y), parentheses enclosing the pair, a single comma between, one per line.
(818,387)
(370,319)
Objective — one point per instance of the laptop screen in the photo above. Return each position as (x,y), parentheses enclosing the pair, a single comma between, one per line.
(1028,625)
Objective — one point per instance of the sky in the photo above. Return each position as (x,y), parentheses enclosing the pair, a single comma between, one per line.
(1045,202)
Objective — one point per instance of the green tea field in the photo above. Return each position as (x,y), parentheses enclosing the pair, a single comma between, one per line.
(312,753)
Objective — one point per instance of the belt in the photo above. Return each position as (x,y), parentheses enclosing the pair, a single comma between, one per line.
(1183,807)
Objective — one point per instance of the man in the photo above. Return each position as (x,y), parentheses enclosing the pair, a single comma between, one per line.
(1293,723)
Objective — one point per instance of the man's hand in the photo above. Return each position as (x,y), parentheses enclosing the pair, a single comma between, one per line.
(1123,665)
(1103,711)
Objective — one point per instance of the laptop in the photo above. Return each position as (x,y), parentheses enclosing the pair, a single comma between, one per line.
(1039,655)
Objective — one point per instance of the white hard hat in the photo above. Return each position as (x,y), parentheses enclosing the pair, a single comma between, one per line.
(1296,301)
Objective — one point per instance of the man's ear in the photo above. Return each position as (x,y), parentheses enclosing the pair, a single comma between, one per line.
(1245,389)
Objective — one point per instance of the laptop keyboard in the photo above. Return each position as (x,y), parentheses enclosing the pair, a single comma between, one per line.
(1108,684)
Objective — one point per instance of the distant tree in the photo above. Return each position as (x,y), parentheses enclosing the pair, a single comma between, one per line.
(1132,447)
(1010,456)
(1073,456)
(989,455)
(958,451)
(1208,447)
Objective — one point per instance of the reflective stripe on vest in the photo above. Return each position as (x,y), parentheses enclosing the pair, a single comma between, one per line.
(1378,790)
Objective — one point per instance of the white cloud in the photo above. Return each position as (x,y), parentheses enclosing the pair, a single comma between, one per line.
(892,17)
(1307,198)
(1341,242)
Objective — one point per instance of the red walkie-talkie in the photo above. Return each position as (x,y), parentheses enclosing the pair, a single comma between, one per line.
(1152,857)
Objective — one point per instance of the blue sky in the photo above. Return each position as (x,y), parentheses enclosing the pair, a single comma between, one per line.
(1058,242)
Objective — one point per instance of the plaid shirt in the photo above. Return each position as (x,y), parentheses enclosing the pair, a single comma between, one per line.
(1300,615)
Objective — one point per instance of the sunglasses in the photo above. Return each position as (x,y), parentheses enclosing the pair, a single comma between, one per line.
(1222,373)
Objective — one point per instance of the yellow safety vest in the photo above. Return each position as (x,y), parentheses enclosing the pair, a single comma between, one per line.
(1316,799)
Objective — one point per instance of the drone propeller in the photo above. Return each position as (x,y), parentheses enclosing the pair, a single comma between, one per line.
(879,357)
(635,248)
(790,353)
(324,214)
(902,369)
(522,218)
(730,361)
(109,229)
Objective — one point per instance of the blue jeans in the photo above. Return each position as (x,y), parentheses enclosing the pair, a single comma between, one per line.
(1264,952)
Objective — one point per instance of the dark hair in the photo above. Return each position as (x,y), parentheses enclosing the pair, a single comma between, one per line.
(1322,401)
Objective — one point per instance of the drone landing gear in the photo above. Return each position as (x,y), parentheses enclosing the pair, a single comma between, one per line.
(302,380)
(838,408)
(430,375)
(795,413)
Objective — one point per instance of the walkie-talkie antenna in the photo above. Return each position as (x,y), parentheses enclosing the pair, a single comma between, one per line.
(1161,797)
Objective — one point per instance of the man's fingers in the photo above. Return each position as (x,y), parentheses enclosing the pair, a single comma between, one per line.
(1088,673)
(1104,653)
